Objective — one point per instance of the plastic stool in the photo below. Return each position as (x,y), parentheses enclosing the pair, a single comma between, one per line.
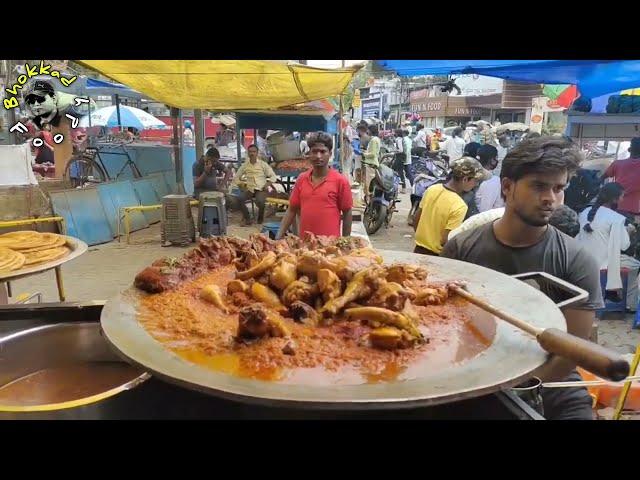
(610,306)
(271,229)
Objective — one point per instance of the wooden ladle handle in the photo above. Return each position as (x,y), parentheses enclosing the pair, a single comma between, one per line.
(598,360)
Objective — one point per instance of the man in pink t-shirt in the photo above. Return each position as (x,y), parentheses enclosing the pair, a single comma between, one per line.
(627,173)
(321,196)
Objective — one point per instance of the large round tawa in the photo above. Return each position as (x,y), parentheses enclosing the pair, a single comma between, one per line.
(78,247)
(512,356)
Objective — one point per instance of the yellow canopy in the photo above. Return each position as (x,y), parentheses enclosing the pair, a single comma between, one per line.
(226,85)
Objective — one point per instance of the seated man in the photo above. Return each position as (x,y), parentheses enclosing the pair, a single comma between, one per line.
(205,173)
(254,178)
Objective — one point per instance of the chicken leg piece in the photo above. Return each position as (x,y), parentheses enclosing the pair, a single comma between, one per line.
(329,283)
(391,295)
(267,296)
(213,295)
(390,338)
(402,272)
(265,264)
(284,272)
(362,285)
(385,317)
(344,267)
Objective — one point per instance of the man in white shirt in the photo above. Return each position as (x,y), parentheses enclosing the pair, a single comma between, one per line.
(420,141)
(304,147)
(454,146)
(263,146)
(406,151)
(398,141)
(489,194)
(504,145)
(254,178)
(398,160)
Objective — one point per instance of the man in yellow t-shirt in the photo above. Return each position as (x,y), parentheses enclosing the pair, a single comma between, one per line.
(442,208)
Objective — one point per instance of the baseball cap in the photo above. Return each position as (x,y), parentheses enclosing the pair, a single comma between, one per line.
(39,87)
(469,167)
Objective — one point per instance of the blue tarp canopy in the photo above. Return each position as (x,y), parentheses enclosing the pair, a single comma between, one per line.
(593,77)
(298,121)
(93,83)
(100,87)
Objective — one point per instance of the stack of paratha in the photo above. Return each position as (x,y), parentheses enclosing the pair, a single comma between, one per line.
(28,248)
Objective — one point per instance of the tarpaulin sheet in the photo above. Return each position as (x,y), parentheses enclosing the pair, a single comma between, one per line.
(226,85)
(593,77)
(299,121)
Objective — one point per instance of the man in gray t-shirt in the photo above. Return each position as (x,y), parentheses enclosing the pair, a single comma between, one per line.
(554,253)
(533,178)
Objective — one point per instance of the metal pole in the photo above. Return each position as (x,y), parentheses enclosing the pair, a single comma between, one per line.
(198,121)
(340,142)
(88,98)
(176,120)
(238,141)
(118,111)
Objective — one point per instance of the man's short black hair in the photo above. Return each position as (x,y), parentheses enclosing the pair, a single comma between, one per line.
(471,149)
(263,132)
(486,154)
(362,128)
(565,220)
(419,127)
(213,153)
(541,155)
(321,138)
(253,145)
(373,130)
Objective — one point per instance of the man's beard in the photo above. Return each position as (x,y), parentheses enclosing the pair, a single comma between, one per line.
(531,221)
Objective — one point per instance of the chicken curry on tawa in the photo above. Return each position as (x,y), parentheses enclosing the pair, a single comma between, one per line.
(271,309)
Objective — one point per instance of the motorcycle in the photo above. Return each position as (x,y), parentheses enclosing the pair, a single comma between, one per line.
(383,190)
(427,171)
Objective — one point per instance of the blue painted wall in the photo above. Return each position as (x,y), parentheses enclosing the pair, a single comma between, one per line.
(91,213)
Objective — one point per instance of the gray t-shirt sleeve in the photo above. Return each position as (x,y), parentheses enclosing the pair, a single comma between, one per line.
(450,249)
(584,273)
